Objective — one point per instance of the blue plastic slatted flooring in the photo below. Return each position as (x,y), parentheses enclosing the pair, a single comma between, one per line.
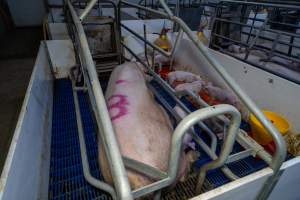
(216,177)
(66,174)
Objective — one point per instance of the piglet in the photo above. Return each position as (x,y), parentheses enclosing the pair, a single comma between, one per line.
(142,128)
(182,76)
(224,96)
(194,87)
(236,49)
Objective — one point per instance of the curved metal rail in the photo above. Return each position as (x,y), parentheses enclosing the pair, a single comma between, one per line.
(280,153)
(111,147)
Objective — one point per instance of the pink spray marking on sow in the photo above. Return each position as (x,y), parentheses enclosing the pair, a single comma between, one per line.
(118,102)
(120,81)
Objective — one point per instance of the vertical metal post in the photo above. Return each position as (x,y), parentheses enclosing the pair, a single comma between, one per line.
(111,146)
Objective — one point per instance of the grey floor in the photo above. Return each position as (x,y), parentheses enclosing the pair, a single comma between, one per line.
(18,49)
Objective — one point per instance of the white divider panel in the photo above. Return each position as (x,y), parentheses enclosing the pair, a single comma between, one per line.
(25,173)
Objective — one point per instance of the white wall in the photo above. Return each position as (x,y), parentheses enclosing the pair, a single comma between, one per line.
(26,171)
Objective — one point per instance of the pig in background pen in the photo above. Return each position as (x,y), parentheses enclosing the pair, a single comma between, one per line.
(282,66)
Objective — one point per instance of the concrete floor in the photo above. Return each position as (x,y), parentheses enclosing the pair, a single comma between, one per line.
(17,56)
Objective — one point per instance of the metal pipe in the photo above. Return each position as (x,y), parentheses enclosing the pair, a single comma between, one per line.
(88,8)
(111,146)
(177,138)
(279,142)
(242,138)
(167,88)
(176,43)
(280,152)
(144,8)
(145,169)
(166,54)
(191,120)
(227,144)
(85,164)
(259,66)
(165,182)
(256,46)
(258,27)
(261,4)
(209,150)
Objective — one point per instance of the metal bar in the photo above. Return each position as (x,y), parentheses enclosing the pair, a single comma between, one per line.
(280,144)
(169,90)
(242,138)
(85,164)
(247,142)
(260,67)
(253,21)
(151,188)
(225,170)
(290,44)
(262,4)
(88,8)
(44,42)
(261,28)
(291,47)
(280,153)
(144,8)
(271,22)
(146,41)
(258,27)
(111,147)
(177,138)
(227,144)
(258,47)
(144,168)
(176,43)
(228,173)
(239,156)
(209,150)
(191,120)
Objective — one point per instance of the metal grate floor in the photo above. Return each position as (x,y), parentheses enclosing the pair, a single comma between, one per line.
(66,175)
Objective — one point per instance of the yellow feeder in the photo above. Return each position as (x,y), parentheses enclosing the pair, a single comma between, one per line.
(202,38)
(163,41)
(260,134)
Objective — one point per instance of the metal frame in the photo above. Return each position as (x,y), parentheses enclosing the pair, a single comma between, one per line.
(111,147)
(280,153)
(251,37)
(115,160)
